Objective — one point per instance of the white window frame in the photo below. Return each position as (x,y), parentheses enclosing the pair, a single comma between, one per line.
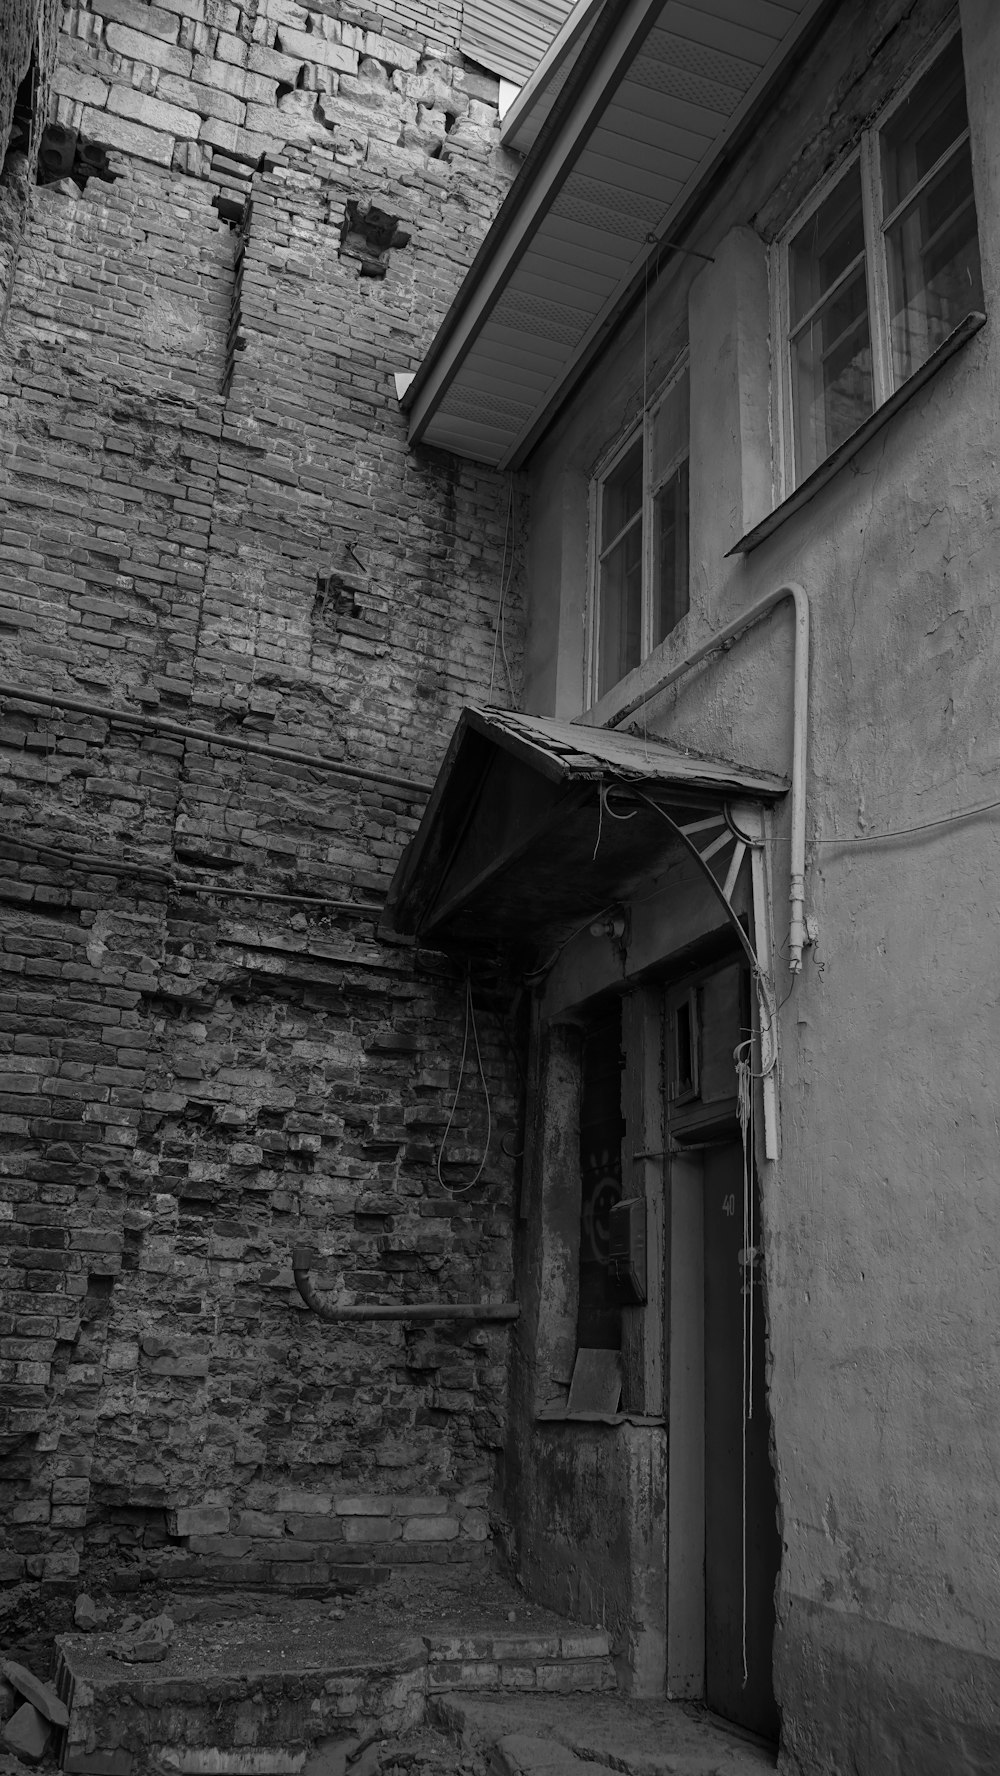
(643,428)
(866,152)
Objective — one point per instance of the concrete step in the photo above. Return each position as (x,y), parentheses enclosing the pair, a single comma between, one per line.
(588,1735)
(257,1694)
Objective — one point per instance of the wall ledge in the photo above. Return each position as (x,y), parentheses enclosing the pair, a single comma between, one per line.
(858,439)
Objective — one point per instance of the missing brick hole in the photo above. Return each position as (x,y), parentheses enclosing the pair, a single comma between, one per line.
(15,165)
(97,1302)
(368,234)
(63,154)
(337,596)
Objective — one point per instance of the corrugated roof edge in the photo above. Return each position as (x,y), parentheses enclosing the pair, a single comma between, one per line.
(558,59)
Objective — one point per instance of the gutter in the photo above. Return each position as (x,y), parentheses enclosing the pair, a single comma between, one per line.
(797,933)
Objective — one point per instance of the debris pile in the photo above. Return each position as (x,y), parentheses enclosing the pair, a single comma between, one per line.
(30,1709)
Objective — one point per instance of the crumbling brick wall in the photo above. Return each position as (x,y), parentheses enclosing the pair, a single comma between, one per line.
(238,618)
(20,22)
(28,36)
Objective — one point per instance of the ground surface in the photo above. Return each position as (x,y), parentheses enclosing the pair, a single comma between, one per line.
(468,1734)
(562,1735)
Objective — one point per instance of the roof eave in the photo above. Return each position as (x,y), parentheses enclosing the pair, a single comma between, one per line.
(602,64)
(517,133)
(615,35)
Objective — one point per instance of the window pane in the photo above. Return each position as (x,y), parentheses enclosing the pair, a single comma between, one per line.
(619,614)
(832,390)
(932,247)
(621,498)
(669,431)
(830,242)
(924,127)
(670,553)
(935,278)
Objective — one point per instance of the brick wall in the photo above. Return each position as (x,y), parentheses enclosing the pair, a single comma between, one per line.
(237,621)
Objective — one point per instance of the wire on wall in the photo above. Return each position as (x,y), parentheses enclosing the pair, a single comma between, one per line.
(470,1024)
(904,832)
(506,575)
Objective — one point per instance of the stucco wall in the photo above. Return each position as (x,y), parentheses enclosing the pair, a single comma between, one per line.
(881,1217)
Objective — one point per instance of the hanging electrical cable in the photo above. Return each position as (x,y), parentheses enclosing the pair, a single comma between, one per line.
(905,832)
(470,1023)
(499,639)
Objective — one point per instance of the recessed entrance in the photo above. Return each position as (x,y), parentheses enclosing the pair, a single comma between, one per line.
(742,1548)
(724,1547)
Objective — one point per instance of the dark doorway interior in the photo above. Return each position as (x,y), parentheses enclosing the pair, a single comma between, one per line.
(600,1316)
(742,1545)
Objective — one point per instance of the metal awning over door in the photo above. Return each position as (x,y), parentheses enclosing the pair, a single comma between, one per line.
(536,824)
(535,827)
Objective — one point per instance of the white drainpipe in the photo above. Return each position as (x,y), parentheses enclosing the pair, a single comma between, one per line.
(800,728)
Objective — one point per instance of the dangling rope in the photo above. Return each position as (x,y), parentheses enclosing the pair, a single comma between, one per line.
(470,1022)
(743,1056)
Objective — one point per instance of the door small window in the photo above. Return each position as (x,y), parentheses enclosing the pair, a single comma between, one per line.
(640,587)
(882,268)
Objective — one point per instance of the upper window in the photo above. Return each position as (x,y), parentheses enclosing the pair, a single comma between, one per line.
(883,268)
(640,583)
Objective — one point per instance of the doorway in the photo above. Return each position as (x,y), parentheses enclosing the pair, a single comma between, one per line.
(724,1547)
(742,1546)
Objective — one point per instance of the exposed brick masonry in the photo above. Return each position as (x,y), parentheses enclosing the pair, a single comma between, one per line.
(212,520)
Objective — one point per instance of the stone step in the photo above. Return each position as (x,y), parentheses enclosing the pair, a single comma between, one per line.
(218,1706)
(590,1735)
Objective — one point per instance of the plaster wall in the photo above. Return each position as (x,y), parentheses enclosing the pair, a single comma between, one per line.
(881,1220)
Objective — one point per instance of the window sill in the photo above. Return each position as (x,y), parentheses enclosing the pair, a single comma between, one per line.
(857,440)
(559,1415)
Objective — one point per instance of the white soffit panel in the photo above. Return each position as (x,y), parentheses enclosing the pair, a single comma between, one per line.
(510,37)
(600,192)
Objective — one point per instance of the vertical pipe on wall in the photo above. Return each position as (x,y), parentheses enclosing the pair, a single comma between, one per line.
(800,731)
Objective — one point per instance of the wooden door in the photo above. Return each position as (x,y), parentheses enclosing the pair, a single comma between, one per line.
(742,1546)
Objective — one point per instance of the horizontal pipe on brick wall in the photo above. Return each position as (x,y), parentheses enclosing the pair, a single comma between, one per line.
(92,865)
(155,724)
(304,1258)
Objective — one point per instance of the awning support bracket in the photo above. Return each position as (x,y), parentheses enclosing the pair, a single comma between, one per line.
(744,829)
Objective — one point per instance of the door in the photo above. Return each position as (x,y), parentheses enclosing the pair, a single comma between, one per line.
(742,1546)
